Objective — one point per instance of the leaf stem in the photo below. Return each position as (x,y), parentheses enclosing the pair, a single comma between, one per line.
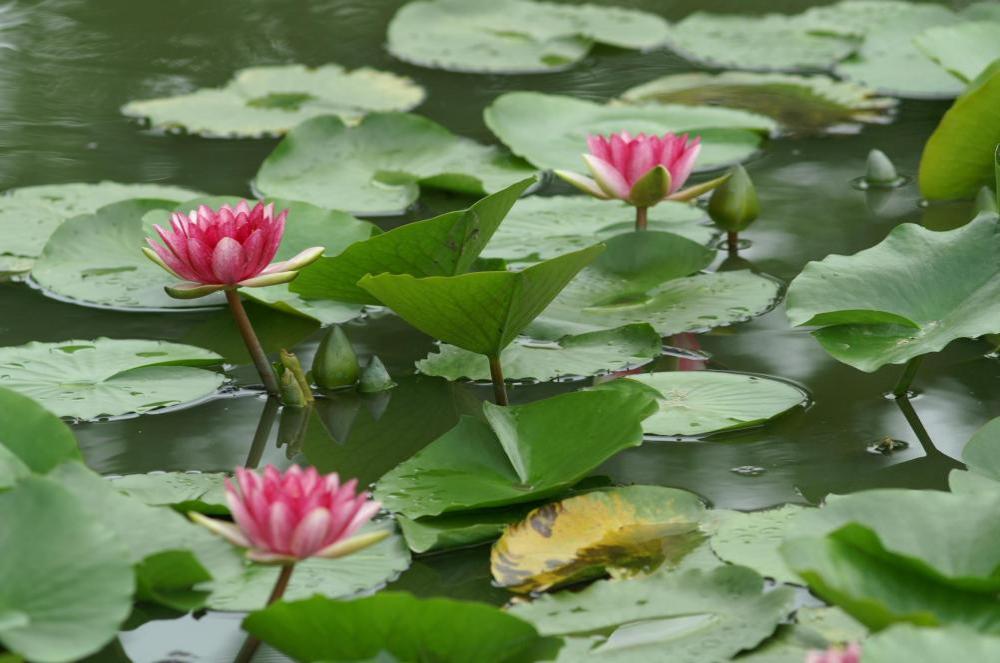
(252,342)
(641,218)
(902,387)
(251,644)
(499,388)
(733,242)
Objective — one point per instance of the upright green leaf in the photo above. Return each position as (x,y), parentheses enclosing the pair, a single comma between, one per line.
(982,452)
(37,437)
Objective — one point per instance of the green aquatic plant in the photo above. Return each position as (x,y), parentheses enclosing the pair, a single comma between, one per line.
(733,206)
(335,363)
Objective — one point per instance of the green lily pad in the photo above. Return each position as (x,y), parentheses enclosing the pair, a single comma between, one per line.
(378,166)
(364,571)
(702,402)
(587,354)
(642,278)
(445,245)
(457,530)
(523,453)
(771,42)
(984,10)
(36,437)
(184,491)
(930,645)
(981,454)
(911,294)
(65,583)
(958,158)
(261,101)
(30,215)
(551,130)
(627,529)
(964,49)
(398,627)
(108,377)
(752,539)
(801,104)
(481,312)
(539,228)
(688,617)
(514,36)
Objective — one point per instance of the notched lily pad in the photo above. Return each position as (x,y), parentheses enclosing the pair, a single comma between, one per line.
(514,36)
(619,530)
(378,166)
(109,377)
(261,101)
(184,491)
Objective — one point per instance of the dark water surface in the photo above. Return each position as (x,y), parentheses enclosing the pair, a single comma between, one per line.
(69,66)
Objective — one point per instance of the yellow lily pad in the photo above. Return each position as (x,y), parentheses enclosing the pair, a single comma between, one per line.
(618,531)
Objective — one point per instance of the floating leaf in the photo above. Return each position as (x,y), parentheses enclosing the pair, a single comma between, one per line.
(551,130)
(108,377)
(958,158)
(930,645)
(523,454)
(30,215)
(771,42)
(445,245)
(587,354)
(400,625)
(642,278)
(702,402)
(911,294)
(378,166)
(801,104)
(752,539)
(981,454)
(539,228)
(65,583)
(366,570)
(964,49)
(633,528)
(262,101)
(480,312)
(514,36)
(35,436)
(458,529)
(688,617)
(184,491)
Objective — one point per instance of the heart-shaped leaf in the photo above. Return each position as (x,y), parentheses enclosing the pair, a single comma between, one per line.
(981,454)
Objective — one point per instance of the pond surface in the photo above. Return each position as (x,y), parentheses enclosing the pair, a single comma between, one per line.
(71,64)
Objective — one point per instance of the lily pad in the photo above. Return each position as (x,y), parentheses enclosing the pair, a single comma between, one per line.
(457,530)
(909,295)
(399,626)
(643,278)
(65,583)
(930,645)
(522,453)
(30,215)
(36,437)
(703,402)
(587,354)
(514,36)
(378,166)
(689,617)
(184,491)
(633,528)
(364,571)
(445,245)
(108,377)
(539,228)
(958,158)
(261,101)
(964,49)
(551,130)
(801,104)
(981,454)
(771,42)
(752,539)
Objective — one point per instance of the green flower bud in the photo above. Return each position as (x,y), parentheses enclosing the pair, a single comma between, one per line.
(295,390)
(375,378)
(335,364)
(734,205)
(881,171)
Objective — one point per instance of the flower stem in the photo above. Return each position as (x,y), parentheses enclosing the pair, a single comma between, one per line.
(263,432)
(499,388)
(902,387)
(733,242)
(641,218)
(252,342)
(251,644)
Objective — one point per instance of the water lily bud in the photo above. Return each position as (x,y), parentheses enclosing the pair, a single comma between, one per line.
(375,378)
(734,205)
(986,201)
(294,387)
(335,364)
(880,171)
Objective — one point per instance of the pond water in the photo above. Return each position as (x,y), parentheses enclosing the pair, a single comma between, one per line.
(71,64)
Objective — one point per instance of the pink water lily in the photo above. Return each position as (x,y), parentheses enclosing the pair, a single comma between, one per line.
(849,654)
(229,248)
(285,517)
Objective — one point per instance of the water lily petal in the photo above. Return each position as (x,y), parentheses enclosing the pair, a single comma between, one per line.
(192,289)
(352,545)
(608,178)
(581,182)
(268,279)
(299,261)
(228,260)
(226,530)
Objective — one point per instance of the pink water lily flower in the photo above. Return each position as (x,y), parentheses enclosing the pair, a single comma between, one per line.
(285,517)
(849,654)
(226,249)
